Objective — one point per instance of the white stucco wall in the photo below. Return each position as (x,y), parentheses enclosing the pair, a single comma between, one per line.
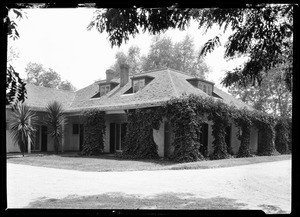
(10,147)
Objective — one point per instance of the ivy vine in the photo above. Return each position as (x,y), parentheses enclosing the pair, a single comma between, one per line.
(94,132)
(266,125)
(243,119)
(282,135)
(139,141)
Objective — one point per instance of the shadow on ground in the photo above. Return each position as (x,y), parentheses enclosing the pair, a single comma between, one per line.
(117,200)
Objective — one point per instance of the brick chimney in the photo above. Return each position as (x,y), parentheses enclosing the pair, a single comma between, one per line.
(109,74)
(124,74)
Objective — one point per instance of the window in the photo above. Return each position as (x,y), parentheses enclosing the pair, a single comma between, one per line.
(75,129)
(138,85)
(117,136)
(104,89)
(208,90)
(200,85)
(204,88)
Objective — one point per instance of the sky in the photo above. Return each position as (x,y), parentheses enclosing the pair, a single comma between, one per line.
(59,39)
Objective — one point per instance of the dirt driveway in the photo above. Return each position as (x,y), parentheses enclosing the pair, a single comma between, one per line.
(258,186)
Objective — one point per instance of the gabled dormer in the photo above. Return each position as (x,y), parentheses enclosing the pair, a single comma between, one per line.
(140,81)
(206,86)
(107,85)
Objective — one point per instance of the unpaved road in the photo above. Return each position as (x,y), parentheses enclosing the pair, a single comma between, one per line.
(257,185)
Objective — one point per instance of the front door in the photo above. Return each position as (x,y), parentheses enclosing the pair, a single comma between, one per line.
(204,139)
(36,145)
(117,136)
(44,135)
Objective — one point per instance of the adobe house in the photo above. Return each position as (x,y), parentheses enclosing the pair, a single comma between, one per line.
(115,96)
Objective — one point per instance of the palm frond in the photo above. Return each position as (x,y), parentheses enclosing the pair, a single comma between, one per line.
(55,119)
(21,125)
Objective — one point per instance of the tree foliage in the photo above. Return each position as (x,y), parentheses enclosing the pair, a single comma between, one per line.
(21,126)
(132,58)
(54,120)
(38,75)
(15,87)
(271,96)
(163,53)
(261,32)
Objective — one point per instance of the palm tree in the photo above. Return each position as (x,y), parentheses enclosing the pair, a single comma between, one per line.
(54,120)
(21,126)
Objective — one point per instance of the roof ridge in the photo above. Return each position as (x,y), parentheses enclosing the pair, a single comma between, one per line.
(172,82)
(152,70)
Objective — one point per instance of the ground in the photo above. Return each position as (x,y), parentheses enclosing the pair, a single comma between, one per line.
(264,186)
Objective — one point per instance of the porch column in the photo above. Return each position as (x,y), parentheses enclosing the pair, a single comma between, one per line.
(28,139)
(63,137)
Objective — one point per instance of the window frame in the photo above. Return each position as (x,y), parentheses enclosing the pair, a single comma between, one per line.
(104,89)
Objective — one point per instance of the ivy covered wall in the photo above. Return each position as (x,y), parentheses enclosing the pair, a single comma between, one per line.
(186,114)
(94,132)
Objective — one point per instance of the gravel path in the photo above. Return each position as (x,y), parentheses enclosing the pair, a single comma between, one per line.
(263,184)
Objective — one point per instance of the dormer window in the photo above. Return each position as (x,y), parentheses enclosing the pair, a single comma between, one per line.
(138,85)
(104,89)
(140,81)
(205,86)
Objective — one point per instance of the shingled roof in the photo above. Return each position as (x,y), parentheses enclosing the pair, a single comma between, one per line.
(39,97)
(166,83)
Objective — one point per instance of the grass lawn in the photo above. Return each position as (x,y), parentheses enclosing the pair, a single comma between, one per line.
(102,163)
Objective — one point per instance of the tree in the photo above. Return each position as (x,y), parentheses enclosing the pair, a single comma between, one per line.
(15,87)
(21,126)
(12,55)
(50,79)
(38,75)
(132,58)
(186,58)
(66,85)
(55,120)
(34,71)
(262,32)
(163,53)
(180,56)
(271,96)
(160,54)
